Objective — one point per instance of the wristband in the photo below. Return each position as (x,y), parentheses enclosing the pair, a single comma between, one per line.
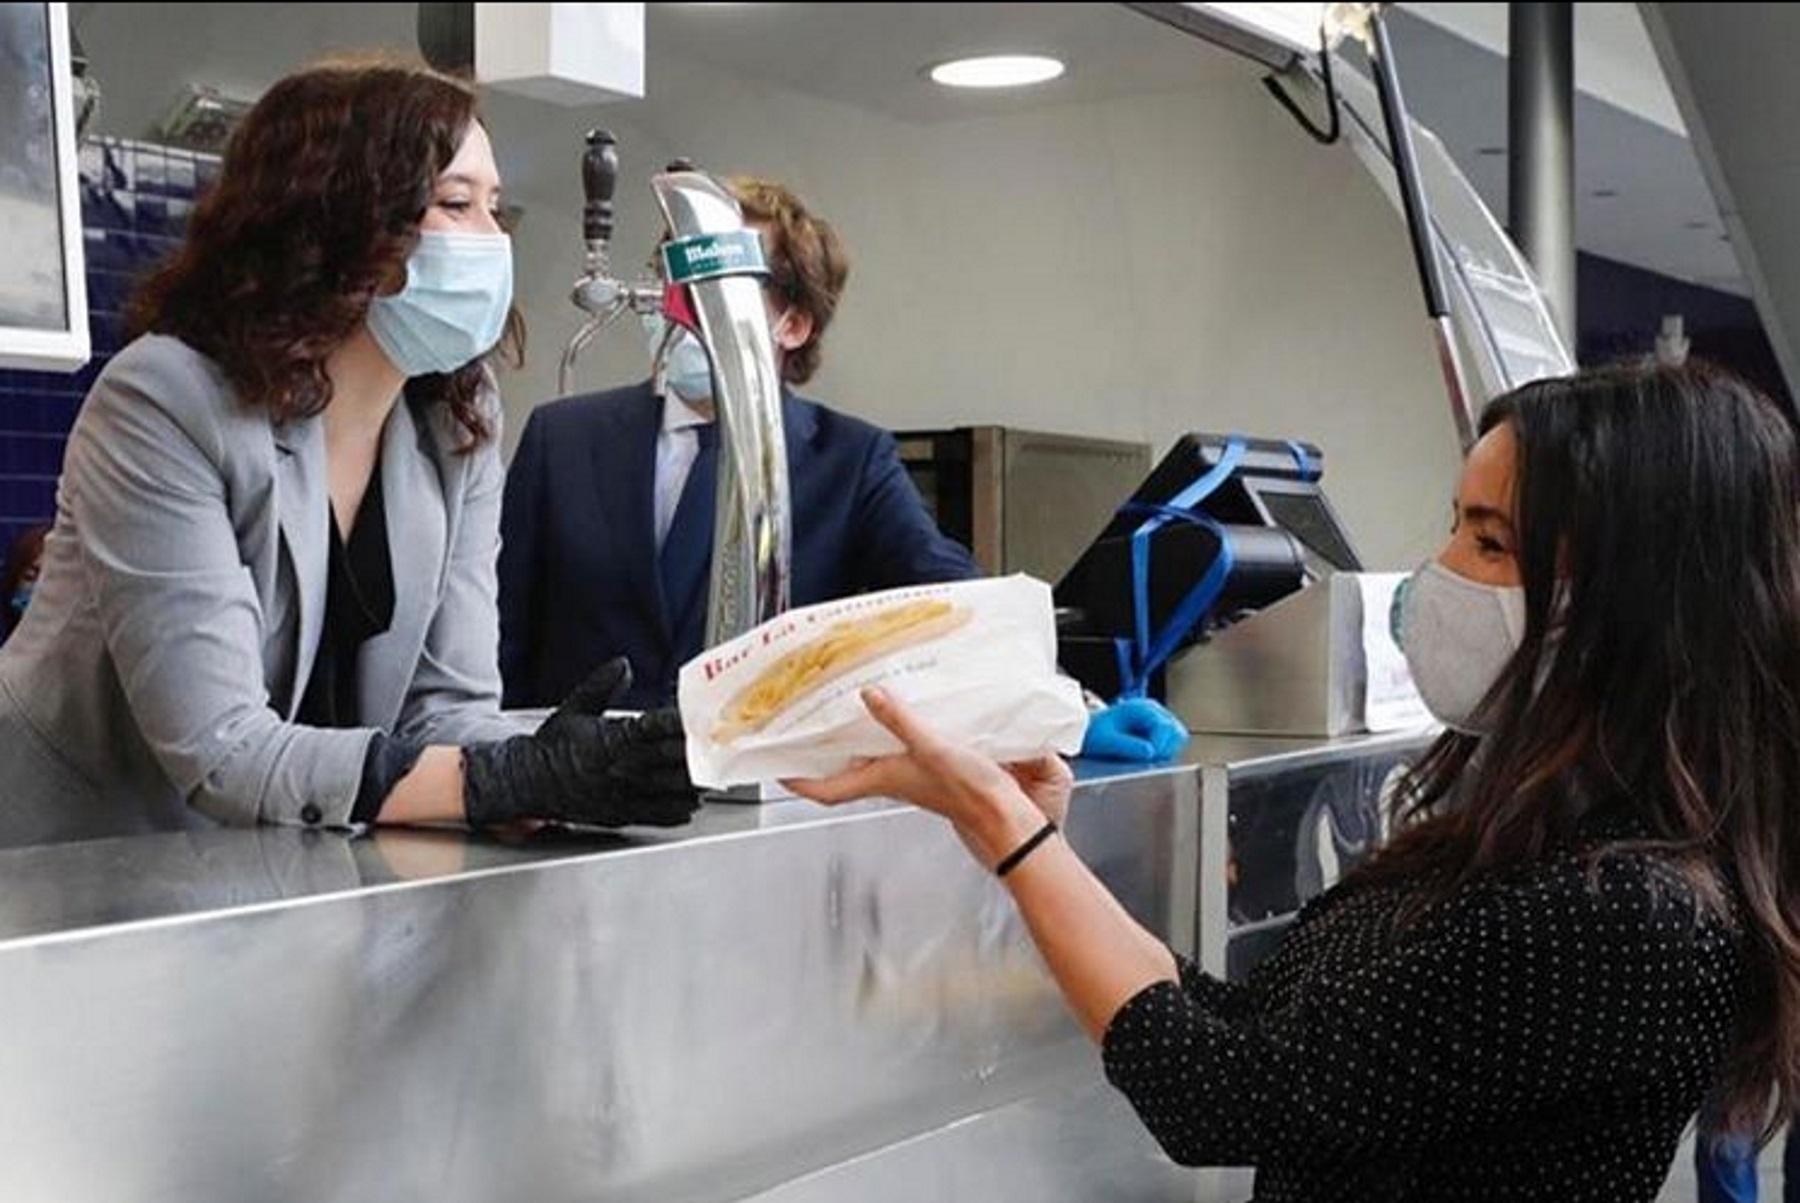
(1018,855)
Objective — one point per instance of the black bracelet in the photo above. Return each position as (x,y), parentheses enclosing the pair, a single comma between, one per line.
(1018,855)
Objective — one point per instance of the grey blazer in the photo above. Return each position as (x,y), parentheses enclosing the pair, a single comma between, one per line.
(154,680)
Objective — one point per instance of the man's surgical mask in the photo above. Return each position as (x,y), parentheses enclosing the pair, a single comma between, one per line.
(453,308)
(1458,636)
(687,369)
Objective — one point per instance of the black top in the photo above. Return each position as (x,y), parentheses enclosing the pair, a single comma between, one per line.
(1546,1035)
(359,605)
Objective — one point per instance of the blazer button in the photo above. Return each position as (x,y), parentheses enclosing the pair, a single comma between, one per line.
(310,813)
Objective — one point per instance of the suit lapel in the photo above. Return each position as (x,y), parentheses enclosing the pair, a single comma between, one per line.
(624,459)
(799,424)
(415,480)
(687,553)
(302,501)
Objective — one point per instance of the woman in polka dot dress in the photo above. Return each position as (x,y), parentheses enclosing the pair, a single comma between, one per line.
(1586,925)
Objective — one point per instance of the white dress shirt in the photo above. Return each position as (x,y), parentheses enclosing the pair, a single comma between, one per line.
(677,446)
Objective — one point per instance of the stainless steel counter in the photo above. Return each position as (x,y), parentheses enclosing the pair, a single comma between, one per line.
(699,1015)
(1281,820)
(1078,1146)
(68,888)
(751,1007)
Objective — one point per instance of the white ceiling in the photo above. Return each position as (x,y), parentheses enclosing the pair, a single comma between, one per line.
(1627,126)
(873,56)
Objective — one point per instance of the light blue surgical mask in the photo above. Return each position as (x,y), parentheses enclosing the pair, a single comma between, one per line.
(687,370)
(20,599)
(453,308)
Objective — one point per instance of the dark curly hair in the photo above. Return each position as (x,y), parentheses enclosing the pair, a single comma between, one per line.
(315,211)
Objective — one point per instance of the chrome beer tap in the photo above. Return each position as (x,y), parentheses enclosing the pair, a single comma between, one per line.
(601,295)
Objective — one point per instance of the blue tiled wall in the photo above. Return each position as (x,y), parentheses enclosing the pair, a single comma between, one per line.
(134,203)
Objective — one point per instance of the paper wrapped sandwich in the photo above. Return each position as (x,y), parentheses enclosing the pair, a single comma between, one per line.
(979,657)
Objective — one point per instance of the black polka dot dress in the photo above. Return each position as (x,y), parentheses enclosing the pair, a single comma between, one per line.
(1543,1036)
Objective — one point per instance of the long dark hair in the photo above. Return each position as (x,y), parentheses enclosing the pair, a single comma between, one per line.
(316,209)
(1658,516)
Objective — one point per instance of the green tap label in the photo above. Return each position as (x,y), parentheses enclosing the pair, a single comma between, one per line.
(709,256)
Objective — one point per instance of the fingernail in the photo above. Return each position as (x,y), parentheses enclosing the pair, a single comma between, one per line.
(875,695)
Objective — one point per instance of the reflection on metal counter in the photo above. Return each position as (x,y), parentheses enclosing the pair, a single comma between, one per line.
(1078,1147)
(1281,822)
(784,1004)
(706,1015)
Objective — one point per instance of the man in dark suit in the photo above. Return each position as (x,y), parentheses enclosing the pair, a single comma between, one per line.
(607,526)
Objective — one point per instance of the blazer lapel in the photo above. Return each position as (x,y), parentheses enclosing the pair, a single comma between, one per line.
(686,554)
(415,480)
(799,424)
(624,458)
(302,501)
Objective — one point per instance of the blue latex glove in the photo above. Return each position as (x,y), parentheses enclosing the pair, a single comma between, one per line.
(1136,730)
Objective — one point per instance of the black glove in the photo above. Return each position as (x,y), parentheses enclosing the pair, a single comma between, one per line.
(582,768)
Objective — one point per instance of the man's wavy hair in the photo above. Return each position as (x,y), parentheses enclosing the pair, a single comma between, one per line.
(808,265)
(316,209)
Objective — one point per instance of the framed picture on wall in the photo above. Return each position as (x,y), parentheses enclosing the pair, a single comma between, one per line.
(43,286)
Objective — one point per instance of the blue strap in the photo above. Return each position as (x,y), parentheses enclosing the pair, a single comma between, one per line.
(1179,504)
(1151,649)
(1189,612)
(1308,466)
(1122,653)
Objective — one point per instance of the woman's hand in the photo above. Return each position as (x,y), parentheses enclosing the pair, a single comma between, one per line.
(1048,782)
(994,810)
(583,766)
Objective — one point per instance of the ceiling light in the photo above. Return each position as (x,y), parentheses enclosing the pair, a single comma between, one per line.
(997,71)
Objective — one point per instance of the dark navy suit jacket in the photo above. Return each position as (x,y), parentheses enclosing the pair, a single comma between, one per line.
(579,582)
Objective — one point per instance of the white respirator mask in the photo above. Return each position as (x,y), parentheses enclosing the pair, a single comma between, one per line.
(1458,636)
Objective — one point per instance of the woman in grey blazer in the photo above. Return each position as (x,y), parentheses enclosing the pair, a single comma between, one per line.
(270,593)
